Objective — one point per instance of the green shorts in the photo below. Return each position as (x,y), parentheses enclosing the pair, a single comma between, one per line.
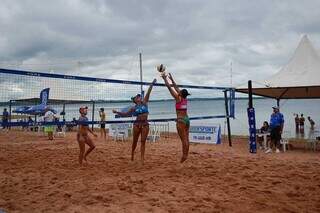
(48,129)
(184,120)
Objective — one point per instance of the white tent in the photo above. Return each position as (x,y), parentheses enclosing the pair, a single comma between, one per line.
(300,78)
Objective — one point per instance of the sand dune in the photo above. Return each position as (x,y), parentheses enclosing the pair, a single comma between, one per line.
(41,176)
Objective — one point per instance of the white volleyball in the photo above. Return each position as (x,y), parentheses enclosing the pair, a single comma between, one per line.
(161,68)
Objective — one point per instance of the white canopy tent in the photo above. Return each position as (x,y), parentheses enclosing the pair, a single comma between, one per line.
(299,79)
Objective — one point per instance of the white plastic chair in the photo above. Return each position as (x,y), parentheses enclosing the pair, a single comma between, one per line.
(312,139)
(62,133)
(154,133)
(117,133)
(285,140)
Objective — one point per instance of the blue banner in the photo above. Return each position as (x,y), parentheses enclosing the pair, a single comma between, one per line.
(252,130)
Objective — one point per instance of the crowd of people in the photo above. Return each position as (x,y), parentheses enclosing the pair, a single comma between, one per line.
(300,121)
(274,130)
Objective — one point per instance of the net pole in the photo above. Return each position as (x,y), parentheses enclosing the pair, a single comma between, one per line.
(141,89)
(250,94)
(227,116)
(278,103)
(251,121)
(10,111)
(64,111)
(93,108)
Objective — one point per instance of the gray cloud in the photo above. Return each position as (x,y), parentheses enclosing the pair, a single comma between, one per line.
(197,40)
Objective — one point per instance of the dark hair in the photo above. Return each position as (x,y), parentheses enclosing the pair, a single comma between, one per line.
(134,97)
(82,108)
(184,93)
(102,109)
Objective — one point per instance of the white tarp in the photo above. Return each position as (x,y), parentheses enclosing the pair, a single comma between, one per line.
(300,78)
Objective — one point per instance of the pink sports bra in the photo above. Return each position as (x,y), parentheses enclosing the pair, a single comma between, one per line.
(182,105)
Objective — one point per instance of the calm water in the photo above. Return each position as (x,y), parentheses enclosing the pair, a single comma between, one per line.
(216,107)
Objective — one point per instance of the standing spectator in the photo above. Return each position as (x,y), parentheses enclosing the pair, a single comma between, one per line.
(312,123)
(102,115)
(48,128)
(5,119)
(301,122)
(297,121)
(276,126)
(30,123)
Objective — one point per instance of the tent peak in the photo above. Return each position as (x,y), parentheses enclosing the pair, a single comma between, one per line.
(301,70)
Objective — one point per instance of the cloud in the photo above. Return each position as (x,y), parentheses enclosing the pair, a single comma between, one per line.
(197,40)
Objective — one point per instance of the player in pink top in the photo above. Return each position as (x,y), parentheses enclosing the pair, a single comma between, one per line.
(183,122)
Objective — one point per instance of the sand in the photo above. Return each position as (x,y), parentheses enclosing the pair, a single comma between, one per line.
(41,176)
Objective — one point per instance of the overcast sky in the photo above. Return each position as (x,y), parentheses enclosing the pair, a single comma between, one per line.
(197,40)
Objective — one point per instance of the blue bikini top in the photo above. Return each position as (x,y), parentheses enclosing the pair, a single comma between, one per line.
(140,109)
(83,121)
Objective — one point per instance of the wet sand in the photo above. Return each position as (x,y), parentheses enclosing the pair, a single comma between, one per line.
(41,176)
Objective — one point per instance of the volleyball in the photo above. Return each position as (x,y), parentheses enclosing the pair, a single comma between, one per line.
(161,68)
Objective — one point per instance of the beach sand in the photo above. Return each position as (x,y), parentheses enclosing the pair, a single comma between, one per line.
(41,176)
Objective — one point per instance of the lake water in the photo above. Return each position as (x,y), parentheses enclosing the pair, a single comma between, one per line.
(239,125)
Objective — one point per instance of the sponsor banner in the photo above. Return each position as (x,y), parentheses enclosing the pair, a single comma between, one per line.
(205,134)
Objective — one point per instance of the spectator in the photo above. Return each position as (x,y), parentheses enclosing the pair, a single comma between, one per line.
(301,122)
(312,123)
(59,126)
(49,117)
(71,125)
(297,121)
(5,119)
(264,129)
(276,127)
(30,119)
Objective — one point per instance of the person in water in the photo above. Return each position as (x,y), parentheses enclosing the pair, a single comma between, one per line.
(82,135)
(140,125)
(183,122)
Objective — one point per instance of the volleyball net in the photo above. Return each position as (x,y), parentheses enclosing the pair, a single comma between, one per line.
(67,93)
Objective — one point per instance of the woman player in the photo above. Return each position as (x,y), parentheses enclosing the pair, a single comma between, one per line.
(183,122)
(140,125)
(83,137)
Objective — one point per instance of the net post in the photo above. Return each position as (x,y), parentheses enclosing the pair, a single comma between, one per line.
(141,88)
(251,121)
(93,108)
(64,111)
(10,111)
(250,94)
(227,116)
